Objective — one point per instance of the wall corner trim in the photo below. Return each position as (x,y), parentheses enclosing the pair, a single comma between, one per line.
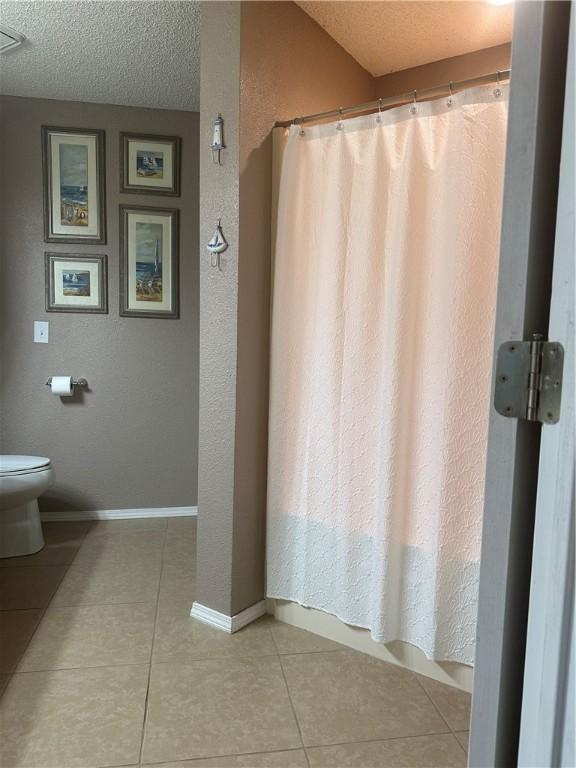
(119,514)
(226,623)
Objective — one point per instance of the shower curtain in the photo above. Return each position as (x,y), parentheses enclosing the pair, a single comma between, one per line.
(382,328)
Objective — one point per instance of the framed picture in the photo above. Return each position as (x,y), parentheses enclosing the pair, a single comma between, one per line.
(148,262)
(76,283)
(74,185)
(150,164)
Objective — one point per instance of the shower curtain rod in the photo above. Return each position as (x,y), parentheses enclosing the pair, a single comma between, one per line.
(403,98)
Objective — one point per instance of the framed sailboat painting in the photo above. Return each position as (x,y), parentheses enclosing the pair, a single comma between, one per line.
(149,262)
(76,282)
(150,164)
(74,185)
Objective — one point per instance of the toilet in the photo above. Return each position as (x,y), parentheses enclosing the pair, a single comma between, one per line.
(22,480)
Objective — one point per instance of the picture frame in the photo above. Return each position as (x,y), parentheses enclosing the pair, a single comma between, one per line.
(150,164)
(76,282)
(149,262)
(74,185)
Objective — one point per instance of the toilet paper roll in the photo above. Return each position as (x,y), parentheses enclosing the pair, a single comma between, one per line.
(62,386)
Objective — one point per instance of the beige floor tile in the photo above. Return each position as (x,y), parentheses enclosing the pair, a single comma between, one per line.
(463,738)
(29,587)
(63,541)
(136,525)
(347,696)
(439,751)
(218,707)
(88,583)
(75,718)
(294,758)
(52,554)
(453,704)
(66,531)
(3,683)
(91,636)
(291,639)
(177,582)
(182,526)
(137,547)
(16,629)
(180,549)
(182,638)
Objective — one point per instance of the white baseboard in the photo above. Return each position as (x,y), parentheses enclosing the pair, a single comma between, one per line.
(226,623)
(119,514)
(403,654)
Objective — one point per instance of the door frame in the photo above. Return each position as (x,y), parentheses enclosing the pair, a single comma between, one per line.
(534,138)
(547,733)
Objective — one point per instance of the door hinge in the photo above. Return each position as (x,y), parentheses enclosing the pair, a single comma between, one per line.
(529,380)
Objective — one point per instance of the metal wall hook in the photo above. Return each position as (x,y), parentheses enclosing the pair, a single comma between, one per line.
(217,245)
(218,139)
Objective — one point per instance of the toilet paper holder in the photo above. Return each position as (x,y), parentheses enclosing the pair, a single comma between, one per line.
(75,382)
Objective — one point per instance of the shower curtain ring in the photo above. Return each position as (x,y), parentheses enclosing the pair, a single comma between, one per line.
(379,115)
(339,124)
(497,90)
(450,99)
(413,108)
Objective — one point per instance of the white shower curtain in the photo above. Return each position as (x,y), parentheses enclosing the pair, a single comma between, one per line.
(383,309)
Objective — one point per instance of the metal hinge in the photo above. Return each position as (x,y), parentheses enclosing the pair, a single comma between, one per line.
(529,380)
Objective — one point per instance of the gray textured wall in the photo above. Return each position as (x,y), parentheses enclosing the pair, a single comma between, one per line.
(219,197)
(260,62)
(132,440)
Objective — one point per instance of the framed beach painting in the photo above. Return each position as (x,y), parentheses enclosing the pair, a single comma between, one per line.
(76,283)
(150,164)
(74,185)
(148,262)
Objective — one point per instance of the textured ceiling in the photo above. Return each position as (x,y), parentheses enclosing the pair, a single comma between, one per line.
(388,36)
(131,52)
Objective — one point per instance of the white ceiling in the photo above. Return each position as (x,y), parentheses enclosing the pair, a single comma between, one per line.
(388,36)
(127,52)
(146,52)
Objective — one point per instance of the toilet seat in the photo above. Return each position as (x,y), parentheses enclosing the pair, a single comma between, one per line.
(22,465)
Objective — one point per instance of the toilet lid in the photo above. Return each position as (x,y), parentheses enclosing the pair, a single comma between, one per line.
(20,464)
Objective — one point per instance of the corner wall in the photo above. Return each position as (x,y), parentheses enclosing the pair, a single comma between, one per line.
(260,62)
(219,198)
(131,441)
(441,72)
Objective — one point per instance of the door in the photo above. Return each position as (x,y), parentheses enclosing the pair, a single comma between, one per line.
(534,140)
(547,725)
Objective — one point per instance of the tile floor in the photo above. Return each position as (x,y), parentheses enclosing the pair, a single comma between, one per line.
(101,665)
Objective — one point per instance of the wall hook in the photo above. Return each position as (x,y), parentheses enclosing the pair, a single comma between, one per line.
(216,245)
(218,139)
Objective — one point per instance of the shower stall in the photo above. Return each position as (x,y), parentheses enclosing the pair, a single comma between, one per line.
(383,307)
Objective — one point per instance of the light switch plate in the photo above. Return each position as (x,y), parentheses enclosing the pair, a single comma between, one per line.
(41,331)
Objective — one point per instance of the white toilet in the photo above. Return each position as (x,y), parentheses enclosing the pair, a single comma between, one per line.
(22,480)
